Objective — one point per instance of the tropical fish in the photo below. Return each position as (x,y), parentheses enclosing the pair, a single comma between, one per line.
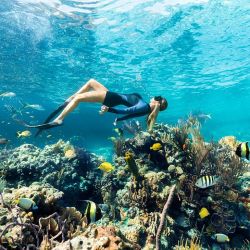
(204,116)
(48,136)
(220,238)
(70,153)
(106,167)
(203,213)
(156,146)
(25,133)
(8,94)
(243,150)
(26,204)
(119,131)
(200,116)
(34,106)
(92,212)
(206,181)
(4,141)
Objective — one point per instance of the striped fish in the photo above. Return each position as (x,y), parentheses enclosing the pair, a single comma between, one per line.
(243,150)
(207,181)
(92,212)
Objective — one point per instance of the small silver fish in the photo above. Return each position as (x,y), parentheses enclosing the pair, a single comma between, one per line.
(204,116)
(3,141)
(8,94)
(34,106)
(207,181)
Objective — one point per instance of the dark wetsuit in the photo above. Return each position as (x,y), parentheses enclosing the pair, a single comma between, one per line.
(136,106)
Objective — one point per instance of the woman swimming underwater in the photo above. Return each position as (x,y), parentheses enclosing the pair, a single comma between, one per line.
(93,91)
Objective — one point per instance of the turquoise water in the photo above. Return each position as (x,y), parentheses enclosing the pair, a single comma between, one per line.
(193,52)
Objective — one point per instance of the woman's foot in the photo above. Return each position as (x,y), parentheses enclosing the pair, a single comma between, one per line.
(57,122)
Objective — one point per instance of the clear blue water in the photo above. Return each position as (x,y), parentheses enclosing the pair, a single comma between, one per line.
(193,52)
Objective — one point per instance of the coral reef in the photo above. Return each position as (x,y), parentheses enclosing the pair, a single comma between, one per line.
(97,238)
(132,197)
(28,163)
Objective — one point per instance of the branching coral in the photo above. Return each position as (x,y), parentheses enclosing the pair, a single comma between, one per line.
(140,194)
(119,146)
(224,220)
(229,168)
(163,216)
(180,136)
(32,227)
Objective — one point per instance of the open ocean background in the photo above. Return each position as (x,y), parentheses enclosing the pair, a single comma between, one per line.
(196,53)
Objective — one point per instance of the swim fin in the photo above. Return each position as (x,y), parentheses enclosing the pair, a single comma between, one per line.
(51,116)
(55,112)
(44,126)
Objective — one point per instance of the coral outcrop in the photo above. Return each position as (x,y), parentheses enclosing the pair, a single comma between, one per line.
(132,197)
(28,163)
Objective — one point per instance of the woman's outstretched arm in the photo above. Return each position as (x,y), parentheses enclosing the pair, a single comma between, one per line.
(152,117)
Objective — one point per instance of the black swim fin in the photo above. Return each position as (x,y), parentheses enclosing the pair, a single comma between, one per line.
(44,126)
(51,116)
(55,112)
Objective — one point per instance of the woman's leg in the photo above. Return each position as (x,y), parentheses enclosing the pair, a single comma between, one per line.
(91,84)
(91,96)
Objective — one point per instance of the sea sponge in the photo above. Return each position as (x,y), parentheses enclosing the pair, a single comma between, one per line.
(131,233)
(132,166)
(49,223)
(71,214)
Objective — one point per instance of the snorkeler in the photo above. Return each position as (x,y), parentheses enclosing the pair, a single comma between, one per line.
(94,91)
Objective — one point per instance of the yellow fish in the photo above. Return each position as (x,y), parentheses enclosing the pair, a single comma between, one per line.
(106,167)
(25,133)
(156,146)
(26,204)
(70,153)
(203,213)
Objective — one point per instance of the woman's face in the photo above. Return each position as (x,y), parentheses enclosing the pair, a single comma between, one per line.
(153,101)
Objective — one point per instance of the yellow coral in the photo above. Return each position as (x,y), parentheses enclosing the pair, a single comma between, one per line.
(228,141)
(194,244)
(70,153)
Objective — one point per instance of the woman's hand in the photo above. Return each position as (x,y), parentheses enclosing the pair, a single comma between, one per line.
(103,110)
